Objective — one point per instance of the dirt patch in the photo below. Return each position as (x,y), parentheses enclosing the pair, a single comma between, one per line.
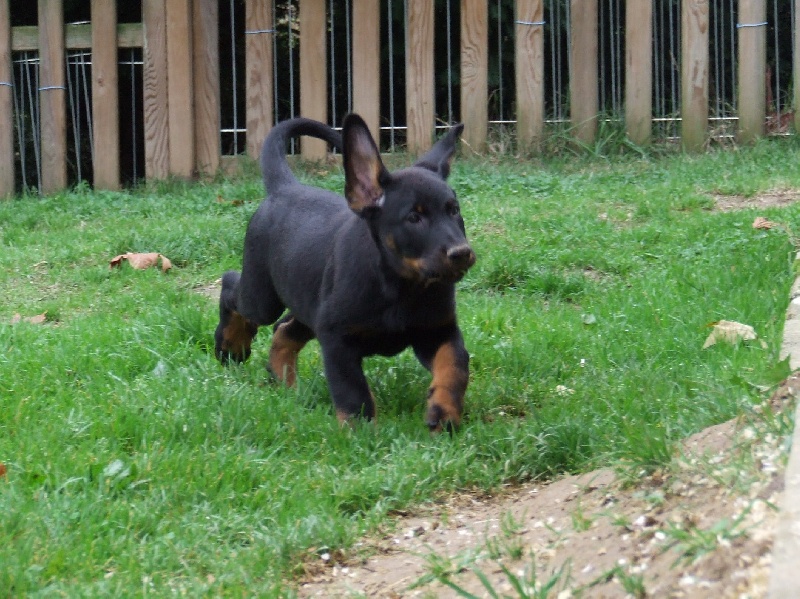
(772,199)
(211,291)
(701,528)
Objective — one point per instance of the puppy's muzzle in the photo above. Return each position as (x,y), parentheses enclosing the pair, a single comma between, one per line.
(459,260)
(461,256)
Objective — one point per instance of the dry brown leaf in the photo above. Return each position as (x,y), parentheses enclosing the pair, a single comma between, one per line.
(730,331)
(762,223)
(142,261)
(38,319)
(3,469)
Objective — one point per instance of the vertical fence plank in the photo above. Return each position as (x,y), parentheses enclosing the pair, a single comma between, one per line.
(155,95)
(52,96)
(583,81)
(796,66)
(180,89)
(639,70)
(419,75)
(366,63)
(205,33)
(6,104)
(529,73)
(105,95)
(313,73)
(752,69)
(258,62)
(475,72)
(694,74)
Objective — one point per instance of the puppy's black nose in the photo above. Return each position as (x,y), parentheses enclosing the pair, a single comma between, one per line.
(462,255)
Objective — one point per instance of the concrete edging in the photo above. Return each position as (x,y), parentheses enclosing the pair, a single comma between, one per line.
(785,578)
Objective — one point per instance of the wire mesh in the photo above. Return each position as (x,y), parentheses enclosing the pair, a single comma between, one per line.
(723,84)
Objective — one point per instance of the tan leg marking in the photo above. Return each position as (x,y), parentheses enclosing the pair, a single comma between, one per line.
(346,419)
(238,335)
(446,393)
(283,355)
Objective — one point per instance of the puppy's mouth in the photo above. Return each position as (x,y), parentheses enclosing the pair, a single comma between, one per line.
(448,276)
(446,270)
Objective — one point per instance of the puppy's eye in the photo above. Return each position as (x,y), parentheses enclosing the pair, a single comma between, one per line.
(453,209)
(414,217)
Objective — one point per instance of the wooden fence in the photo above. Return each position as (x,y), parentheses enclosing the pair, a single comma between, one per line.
(181,92)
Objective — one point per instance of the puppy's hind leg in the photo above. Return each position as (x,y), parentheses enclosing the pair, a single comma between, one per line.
(289,337)
(234,333)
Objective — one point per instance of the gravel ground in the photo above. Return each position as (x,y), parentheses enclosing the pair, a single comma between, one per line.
(702,527)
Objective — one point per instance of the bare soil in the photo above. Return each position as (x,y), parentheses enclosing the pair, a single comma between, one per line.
(703,527)
(772,199)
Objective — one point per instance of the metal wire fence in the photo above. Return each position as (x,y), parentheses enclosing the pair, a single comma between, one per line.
(611,78)
(666,66)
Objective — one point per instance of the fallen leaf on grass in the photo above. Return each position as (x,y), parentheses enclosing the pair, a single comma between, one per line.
(38,319)
(730,331)
(762,223)
(142,261)
(3,469)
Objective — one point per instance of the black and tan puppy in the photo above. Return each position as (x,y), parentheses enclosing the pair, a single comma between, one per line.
(372,275)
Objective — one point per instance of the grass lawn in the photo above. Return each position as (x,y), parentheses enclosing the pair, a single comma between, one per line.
(136,464)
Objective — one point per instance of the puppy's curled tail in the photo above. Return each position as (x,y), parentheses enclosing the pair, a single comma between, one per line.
(274,167)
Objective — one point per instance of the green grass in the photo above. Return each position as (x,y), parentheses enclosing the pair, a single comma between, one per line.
(137,465)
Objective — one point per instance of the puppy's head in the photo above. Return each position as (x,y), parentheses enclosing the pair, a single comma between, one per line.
(414,215)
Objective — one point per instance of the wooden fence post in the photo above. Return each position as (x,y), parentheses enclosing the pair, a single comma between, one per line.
(52,95)
(583,78)
(796,66)
(105,95)
(205,31)
(419,75)
(529,73)
(313,73)
(258,62)
(694,74)
(366,63)
(475,73)
(155,94)
(6,105)
(180,100)
(752,30)
(639,70)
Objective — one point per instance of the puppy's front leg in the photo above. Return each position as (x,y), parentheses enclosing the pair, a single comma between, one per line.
(349,389)
(443,353)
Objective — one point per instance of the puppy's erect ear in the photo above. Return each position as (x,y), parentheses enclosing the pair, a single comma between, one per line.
(364,172)
(440,156)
